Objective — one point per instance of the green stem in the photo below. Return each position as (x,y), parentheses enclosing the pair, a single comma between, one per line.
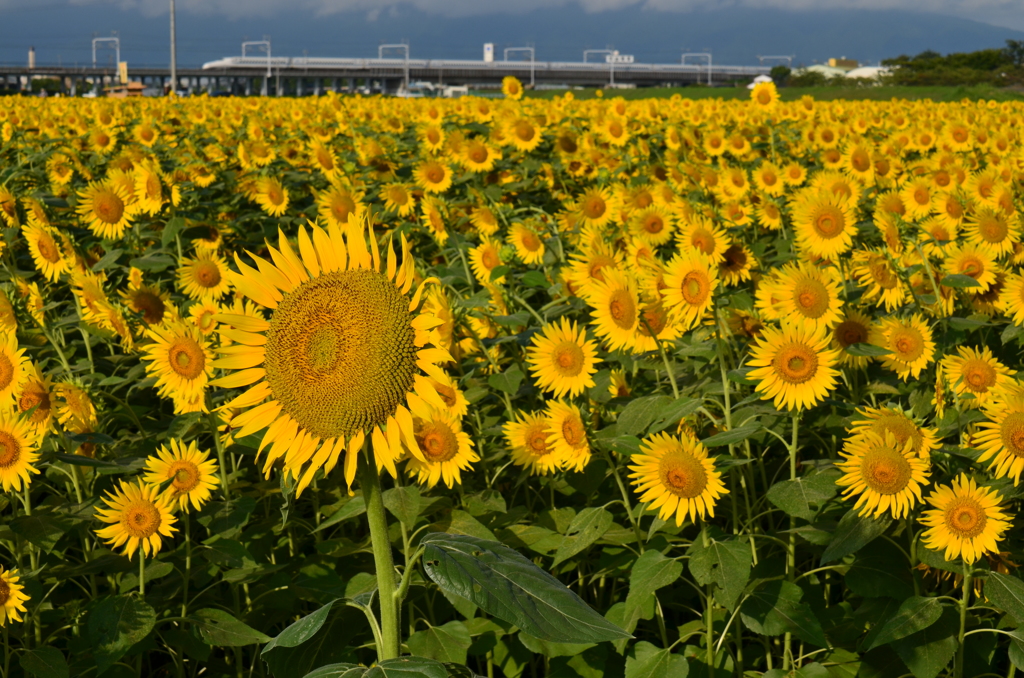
(382,558)
(664,356)
(142,573)
(958,671)
(188,565)
(913,554)
(787,657)
(709,618)
(625,501)
(212,419)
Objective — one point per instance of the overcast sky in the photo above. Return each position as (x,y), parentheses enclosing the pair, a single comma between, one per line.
(1009,13)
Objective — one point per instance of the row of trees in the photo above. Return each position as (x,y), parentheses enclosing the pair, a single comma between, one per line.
(992,66)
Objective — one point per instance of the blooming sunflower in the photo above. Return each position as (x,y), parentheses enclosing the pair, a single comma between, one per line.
(181,361)
(527,243)
(152,303)
(34,396)
(339,359)
(597,206)
(909,342)
(737,263)
(1001,438)
(477,156)
(966,522)
(484,259)
(398,199)
(992,230)
(616,309)
(675,476)
(12,596)
(975,373)
(690,282)
(191,474)
(338,204)
(205,277)
(887,476)
(854,328)
(511,87)
(139,517)
(794,366)
(824,223)
(45,250)
(567,436)
(445,450)
(562,360)
(74,407)
(879,279)
(528,438)
(103,206)
(808,295)
(14,367)
(1011,297)
(973,261)
(271,195)
(886,421)
(702,235)
(18,443)
(433,176)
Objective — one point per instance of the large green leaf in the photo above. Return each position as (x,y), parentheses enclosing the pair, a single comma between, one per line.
(853,533)
(40,530)
(915,614)
(927,652)
(218,627)
(507,381)
(342,670)
(114,625)
(641,413)
(446,643)
(505,584)
(1006,592)
(647,661)
(775,608)
(404,503)
(45,662)
(317,639)
(651,572)
(724,563)
(408,667)
(875,573)
(802,497)
(588,526)
(732,436)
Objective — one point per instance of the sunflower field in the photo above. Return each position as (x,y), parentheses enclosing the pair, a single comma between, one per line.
(415,388)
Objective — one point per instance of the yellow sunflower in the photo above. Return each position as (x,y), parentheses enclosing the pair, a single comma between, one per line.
(909,342)
(340,357)
(511,87)
(878,277)
(825,224)
(398,199)
(139,517)
(1001,438)
(567,436)
(14,368)
(528,439)
(483,259)
(886,475)
(74,408)
(973,261)
(445,450)
(652,224)
(1011,297)
(338,204)
(12,596)
(765,96)
(205,277)
(674,475)
(152,303)
(35,396)
(18,444)
(433,176)
(616,309)
(736,265)
(992,230)
(562,360)
(691,279)
(45,250)
(885,421)
(854,328)
(181,361)
(192,476)
(477,156)
(702,235)
(103,206)
(597,207)
(271,195)
(527,242)
(966,522)
(794,366)
(808,295)
(974,373)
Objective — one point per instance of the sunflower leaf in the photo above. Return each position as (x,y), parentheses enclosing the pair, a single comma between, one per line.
(958,281)
(408,667)
(338,671)
(723,563)
(114,625)
(45,662)
(507,585)
(862,350)
(507,381)
(853,533)
(732,436)
(915,614)
(1008,593)
(219,628)
(803,497)
(588,526)
(447,643)
(651,572)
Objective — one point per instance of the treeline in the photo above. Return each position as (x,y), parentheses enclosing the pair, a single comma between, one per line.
(1000,67)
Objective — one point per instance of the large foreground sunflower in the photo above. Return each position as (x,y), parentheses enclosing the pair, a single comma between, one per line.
(676,477)
(967,520)
(794,366)
(340,358)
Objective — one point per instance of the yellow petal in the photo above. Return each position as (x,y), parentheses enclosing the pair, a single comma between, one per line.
(309,257)
(246,323)
(257,419)
(243,378)
(324,250)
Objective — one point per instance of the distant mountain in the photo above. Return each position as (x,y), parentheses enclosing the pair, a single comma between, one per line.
(735,36)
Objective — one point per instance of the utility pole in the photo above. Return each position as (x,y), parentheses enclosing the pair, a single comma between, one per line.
(174,55)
